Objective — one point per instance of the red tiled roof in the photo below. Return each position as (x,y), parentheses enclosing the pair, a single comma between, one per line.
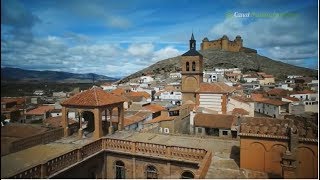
(40,110)
(214,120)
(278,91)
(93,97)
(258,97)
(153,108)
(141,93)
(7,100)
(242,99)
(306,91)
(57,121)
(118,91)
(19,100)
(292,98)
(132,119)
(274,102)
(217,88)
(239,111)
(159,119)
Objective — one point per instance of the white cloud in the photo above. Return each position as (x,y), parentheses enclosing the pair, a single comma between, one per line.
(165,53)
(140,49)
(54,53)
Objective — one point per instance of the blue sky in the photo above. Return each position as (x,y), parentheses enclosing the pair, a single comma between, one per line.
(117,38)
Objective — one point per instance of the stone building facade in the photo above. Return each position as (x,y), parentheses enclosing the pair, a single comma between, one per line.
(280,147)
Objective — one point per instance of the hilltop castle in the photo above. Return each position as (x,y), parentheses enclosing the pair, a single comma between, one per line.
(225,44)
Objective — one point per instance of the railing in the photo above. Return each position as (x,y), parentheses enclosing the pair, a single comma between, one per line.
(63,161)
(154,149)
(204,166)
(42,138)
(32,173)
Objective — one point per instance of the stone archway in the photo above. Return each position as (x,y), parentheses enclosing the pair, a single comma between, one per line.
(94,100)
(88,118)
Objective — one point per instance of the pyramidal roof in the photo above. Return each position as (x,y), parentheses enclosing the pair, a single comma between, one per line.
(94,97)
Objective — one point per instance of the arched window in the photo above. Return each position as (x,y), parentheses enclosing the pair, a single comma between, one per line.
(187,66)
(152,172)
(187,175)
(193,66)
(120,170)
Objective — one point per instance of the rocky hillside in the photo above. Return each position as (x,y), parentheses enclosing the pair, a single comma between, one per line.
(218,58)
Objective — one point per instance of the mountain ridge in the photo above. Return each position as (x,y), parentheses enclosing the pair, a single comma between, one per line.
(219,58)
(19,74)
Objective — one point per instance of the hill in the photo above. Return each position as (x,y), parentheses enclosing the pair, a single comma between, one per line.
(17,74)
(225,59)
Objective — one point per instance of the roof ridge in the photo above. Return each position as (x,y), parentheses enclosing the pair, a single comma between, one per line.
(220,86)
(95,95)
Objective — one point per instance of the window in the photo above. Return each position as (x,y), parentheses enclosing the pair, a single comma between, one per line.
(151,172)
(199,130)
(120,170)
(187,175)
(166,130)
(193,66)
(187,66)
(225,133)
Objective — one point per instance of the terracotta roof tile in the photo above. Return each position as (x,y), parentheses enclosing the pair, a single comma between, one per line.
(292,98)
(258,97)
(306,91)
(159,119)
(214,120)
(239,111)
(153,108)
(93,97)
(56,121)
(274,102)
(137,94)
(217,88)
(242,99)
(133,119)
(279,92)
(7,100)
(276,128)
(118,91)
(40,110)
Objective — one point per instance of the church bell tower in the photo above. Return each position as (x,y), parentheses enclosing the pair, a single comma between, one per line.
(192,72)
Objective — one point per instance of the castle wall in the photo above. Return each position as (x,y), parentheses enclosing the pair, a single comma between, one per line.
(224,44)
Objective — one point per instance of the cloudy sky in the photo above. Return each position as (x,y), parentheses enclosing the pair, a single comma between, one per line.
(118,37)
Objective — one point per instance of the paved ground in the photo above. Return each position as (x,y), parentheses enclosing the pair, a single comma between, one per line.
(32,156)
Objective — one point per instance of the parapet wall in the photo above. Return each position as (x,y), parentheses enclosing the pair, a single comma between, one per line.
(55,165)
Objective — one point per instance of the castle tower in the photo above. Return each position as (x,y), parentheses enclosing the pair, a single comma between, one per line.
(224,43)
(192,72)
(239,41)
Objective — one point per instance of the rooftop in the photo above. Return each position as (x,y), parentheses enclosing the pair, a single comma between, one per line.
(40,110)
(160,119)
(153,108)
(214,120)
(218,87)
(93,97)
(276,128)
